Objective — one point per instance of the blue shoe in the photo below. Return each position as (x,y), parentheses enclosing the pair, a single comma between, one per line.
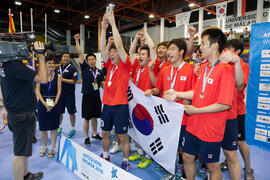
(202,172)
(179,170)
(125,165)
(158,167)
(59,131)
(71,133)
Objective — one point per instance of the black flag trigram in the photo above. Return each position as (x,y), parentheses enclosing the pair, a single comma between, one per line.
(163,118)
(130,125)
(156,146)
(129,94)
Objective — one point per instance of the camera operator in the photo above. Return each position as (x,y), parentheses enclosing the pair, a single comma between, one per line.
(20,102)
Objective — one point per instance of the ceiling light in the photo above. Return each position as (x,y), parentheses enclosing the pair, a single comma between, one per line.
(57,10)
(151,16)
(191,5)
(86,16)
(19,3)
(111,4)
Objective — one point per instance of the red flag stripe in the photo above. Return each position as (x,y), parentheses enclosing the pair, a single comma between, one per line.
(243,9)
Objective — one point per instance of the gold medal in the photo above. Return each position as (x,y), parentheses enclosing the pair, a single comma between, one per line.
(202,95)
(109,83)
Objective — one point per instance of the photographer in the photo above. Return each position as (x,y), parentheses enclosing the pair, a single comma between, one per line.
(20,102)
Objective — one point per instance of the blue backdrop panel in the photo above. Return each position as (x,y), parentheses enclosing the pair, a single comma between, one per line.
(258,91)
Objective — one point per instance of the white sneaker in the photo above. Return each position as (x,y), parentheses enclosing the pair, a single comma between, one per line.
(115,148)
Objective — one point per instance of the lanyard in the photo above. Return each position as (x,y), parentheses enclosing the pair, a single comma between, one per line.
(138,75)
(94,74)
(64,69)
(174,79)
(112,73)
(49,85)
(162,63)
(205,78)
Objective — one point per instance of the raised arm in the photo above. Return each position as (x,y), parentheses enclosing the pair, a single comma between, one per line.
(109,44)
(192,32)
(117,38)
(104,53)
(153,78)
(151,44)
(132,50)
(78,47)
(229,56)
(41,77)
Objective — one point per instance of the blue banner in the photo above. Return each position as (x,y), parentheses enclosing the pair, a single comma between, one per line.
(258,91)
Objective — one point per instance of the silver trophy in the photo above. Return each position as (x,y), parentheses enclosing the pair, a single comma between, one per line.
(109,8)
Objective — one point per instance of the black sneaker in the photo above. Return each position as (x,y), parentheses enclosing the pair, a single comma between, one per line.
(224,166)
(98,137)
(87,141)
(33,176)
(34,140)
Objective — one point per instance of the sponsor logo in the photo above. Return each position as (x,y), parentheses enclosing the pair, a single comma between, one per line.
(263,119)
(265,67)
(261,131)
(265,73)
(263,106)
(260,137)
(264,87)
(266,53)
(102,123)
(183,142)
(263,100)
(114,173)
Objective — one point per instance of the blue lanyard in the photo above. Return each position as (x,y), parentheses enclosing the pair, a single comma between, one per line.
(162,63)
(205,79)
(49,85)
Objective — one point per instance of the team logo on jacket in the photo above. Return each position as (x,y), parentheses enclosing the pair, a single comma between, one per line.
(183,78)
(210,81)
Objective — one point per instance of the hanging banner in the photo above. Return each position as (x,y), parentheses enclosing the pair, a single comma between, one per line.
(258,91)
(221,11)
(155,125)
(241,7)
(87,165)
(182,18)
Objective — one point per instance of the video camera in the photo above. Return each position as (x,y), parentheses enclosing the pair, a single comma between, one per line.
(16,46)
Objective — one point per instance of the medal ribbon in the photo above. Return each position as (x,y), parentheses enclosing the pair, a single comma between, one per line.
(174,79)
(205,79)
